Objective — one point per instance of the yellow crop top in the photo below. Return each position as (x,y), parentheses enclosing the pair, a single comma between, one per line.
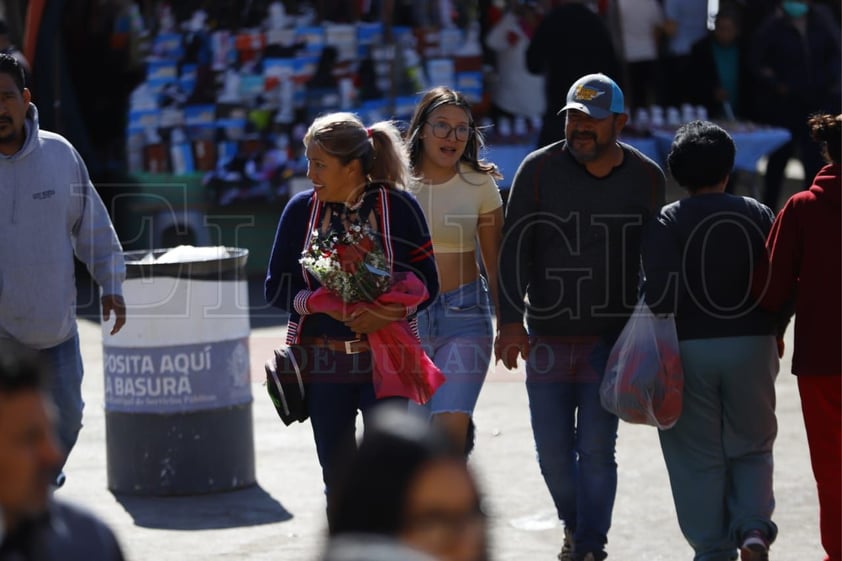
(452,208)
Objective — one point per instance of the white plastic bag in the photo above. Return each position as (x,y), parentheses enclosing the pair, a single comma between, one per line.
(644,380)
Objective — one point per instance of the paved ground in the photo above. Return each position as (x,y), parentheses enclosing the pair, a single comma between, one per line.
(282,518)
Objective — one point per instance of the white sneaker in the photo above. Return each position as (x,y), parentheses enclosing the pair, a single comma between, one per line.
(755,547)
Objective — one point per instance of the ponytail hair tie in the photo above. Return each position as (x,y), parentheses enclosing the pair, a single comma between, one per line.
(369,132)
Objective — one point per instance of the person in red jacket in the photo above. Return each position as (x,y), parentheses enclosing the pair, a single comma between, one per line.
(805,246)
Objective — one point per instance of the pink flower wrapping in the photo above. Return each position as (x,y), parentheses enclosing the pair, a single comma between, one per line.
(401,368)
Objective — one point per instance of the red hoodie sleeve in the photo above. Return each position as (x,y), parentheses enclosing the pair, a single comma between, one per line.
(784,244)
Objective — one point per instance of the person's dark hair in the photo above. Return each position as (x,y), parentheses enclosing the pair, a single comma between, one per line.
(432,100)
(10,65)
(731,12)
(702,155)
(21,369)
(370,495)
(379,148)
(826,129)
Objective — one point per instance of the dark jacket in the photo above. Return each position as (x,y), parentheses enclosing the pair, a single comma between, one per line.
(796,76)
(699,256)
(806,265)
(707,80)
(570,42)
(66,533)
(403,232)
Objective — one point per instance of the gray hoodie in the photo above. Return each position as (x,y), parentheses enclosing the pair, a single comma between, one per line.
(49,211)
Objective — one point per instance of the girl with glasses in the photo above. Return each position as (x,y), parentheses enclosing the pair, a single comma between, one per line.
(464,211)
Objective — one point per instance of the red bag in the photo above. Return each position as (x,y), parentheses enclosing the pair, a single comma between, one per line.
(644,380)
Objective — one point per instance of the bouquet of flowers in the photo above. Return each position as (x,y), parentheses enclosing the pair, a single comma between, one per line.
(351,265)
(352,270)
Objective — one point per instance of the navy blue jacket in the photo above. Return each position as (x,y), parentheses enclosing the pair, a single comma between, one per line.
(404,236)
(699,256)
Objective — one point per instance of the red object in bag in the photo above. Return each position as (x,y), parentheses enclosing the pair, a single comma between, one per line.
(644,379)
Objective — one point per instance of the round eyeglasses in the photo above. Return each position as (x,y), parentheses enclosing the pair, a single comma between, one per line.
(442,130)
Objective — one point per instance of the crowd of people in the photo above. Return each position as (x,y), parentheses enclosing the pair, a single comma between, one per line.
(585,222)
(773,63)
(584,233)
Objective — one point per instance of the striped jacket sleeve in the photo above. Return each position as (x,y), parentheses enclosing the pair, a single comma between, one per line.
(413,246)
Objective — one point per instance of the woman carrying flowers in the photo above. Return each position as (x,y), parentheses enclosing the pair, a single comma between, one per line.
(463,206)
(338,249)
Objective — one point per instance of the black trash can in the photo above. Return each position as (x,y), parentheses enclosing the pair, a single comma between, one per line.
(178,417)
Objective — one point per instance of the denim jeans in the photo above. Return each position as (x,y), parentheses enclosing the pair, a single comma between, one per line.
(719,453)
(340,385)
(457,334)
(574,436)
(64,362)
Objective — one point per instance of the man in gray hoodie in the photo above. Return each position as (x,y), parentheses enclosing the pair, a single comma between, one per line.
(50,213)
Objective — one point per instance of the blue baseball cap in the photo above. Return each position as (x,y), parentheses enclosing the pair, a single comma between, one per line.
(596,95)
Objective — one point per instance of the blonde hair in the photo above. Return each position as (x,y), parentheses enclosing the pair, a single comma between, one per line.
(379,148)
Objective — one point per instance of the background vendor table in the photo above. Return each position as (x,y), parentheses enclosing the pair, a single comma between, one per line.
(752,145)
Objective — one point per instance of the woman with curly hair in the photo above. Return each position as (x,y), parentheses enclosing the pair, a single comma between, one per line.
(805,246)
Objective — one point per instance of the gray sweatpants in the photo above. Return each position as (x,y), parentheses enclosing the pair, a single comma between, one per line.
(719,453)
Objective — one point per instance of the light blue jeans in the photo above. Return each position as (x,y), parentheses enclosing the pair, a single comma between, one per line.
(574,436)
(719,453)
(64,362)
(457,335)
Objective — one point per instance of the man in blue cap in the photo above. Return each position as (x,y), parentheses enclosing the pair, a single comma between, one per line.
(569,261)
(571,41)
